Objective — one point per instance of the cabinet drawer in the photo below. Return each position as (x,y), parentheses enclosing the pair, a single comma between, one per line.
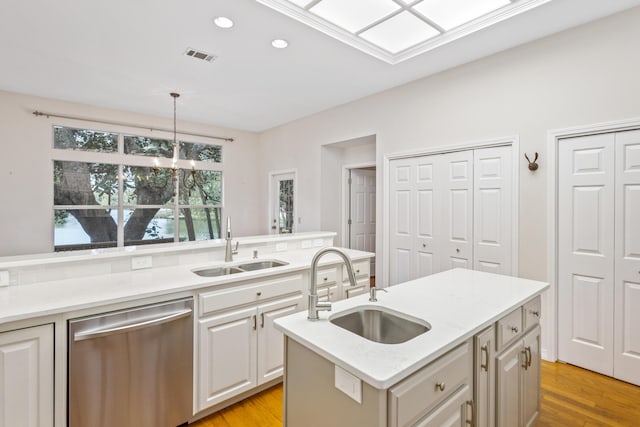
(532,313)
(415,396)
(360,269)
(249,292)
(328,293)
(326,276)
(509,328)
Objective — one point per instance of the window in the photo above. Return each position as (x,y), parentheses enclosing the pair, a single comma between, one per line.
(115,189)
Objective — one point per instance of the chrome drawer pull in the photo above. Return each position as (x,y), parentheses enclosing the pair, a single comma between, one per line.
(440,386)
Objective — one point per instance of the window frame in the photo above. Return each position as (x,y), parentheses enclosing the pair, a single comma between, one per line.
(122,160)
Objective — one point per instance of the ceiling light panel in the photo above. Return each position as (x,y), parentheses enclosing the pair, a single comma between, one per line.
(453,13)
(354,15)
(400,32)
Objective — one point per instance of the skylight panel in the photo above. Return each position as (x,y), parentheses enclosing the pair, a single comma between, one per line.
(400,32)
(354,15)
(453,13)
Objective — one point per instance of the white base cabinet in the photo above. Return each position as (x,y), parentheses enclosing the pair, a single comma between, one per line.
(239,345)
(26,377)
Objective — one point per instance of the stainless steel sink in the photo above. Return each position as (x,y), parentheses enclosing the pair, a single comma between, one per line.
(241,268)
(379,325)
(260,265)
(217,271)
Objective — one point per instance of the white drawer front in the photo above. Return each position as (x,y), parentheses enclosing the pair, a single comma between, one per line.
(360,269)
(249,292)
(326,276)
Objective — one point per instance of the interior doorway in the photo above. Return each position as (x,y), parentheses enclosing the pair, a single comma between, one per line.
(282,202)
(360,212)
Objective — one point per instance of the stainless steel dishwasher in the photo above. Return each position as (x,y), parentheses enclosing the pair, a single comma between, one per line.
(132,367)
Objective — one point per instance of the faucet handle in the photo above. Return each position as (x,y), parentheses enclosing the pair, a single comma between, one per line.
(235,251)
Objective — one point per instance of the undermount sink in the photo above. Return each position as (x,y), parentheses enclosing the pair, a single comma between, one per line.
(241,268)
(380,325)
(260,265)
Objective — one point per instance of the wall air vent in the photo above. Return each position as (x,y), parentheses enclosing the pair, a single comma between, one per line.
(200,55)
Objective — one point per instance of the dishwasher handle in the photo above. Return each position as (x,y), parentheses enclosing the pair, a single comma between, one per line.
(97,333)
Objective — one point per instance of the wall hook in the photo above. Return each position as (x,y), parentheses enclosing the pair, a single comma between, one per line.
(532,165)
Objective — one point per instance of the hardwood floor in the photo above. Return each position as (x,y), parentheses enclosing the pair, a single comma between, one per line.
(571,397)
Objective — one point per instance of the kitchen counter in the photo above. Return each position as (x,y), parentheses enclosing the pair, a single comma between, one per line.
(21,302)
(457,304)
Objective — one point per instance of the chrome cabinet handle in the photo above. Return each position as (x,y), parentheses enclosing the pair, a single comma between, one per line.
(440,386)
(524,362)
(535,313)
(262,320)
(258,293)
(255,322)
(424,245)
(458,250)
(485,352)
(528,349)
(514,329)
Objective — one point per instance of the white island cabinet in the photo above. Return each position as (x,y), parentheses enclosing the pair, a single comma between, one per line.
(478,363)
(26,377)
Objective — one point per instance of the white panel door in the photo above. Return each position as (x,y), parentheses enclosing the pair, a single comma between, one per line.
(26,377)
(228,351)
(492,210)
(270,340)
(627,263)
(362,230)
(401,199)
(585,251)
(426,221)
(457,210)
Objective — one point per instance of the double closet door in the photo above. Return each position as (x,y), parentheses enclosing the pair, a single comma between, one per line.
(450,210)
(599,253)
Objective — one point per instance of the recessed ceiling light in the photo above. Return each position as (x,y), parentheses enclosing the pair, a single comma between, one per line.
(279,43)
(223,22)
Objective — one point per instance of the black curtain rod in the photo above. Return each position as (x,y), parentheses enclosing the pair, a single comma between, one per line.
(40,114)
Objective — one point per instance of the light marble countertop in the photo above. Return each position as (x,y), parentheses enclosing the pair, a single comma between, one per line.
(62,296)
(457,304)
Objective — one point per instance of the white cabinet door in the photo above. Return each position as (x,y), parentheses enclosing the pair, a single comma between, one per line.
(627,263)
(484,381)
(457,210)
(401,218)
(270,340)
(492,210)
(531,378)
(585,250)
(26,377)
(508,388)
(227,355)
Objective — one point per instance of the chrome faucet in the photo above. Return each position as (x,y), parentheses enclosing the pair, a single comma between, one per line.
(314,305)
(229,253)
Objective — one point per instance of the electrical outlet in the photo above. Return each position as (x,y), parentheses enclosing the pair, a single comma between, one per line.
(4,278)
(348,384)
(318,242)
(281,247)
(306,244)
(140,262)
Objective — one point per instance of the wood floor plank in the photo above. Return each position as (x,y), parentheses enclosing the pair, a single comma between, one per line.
(571,397)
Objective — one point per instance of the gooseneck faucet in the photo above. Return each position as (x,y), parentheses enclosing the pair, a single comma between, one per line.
(229,253)
(314,305)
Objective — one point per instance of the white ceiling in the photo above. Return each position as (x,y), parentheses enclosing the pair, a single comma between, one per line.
(128,55)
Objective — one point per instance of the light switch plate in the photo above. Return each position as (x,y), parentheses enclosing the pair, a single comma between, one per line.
(318,242)
(348,384)
(4,278)
(140,262)
(306,244)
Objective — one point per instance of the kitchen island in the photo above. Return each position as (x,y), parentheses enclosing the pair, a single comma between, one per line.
(477,323)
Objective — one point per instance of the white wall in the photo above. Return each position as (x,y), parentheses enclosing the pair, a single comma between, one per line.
(585,75)
(26,187)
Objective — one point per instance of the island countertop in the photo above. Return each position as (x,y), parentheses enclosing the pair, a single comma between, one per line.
(457,304)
